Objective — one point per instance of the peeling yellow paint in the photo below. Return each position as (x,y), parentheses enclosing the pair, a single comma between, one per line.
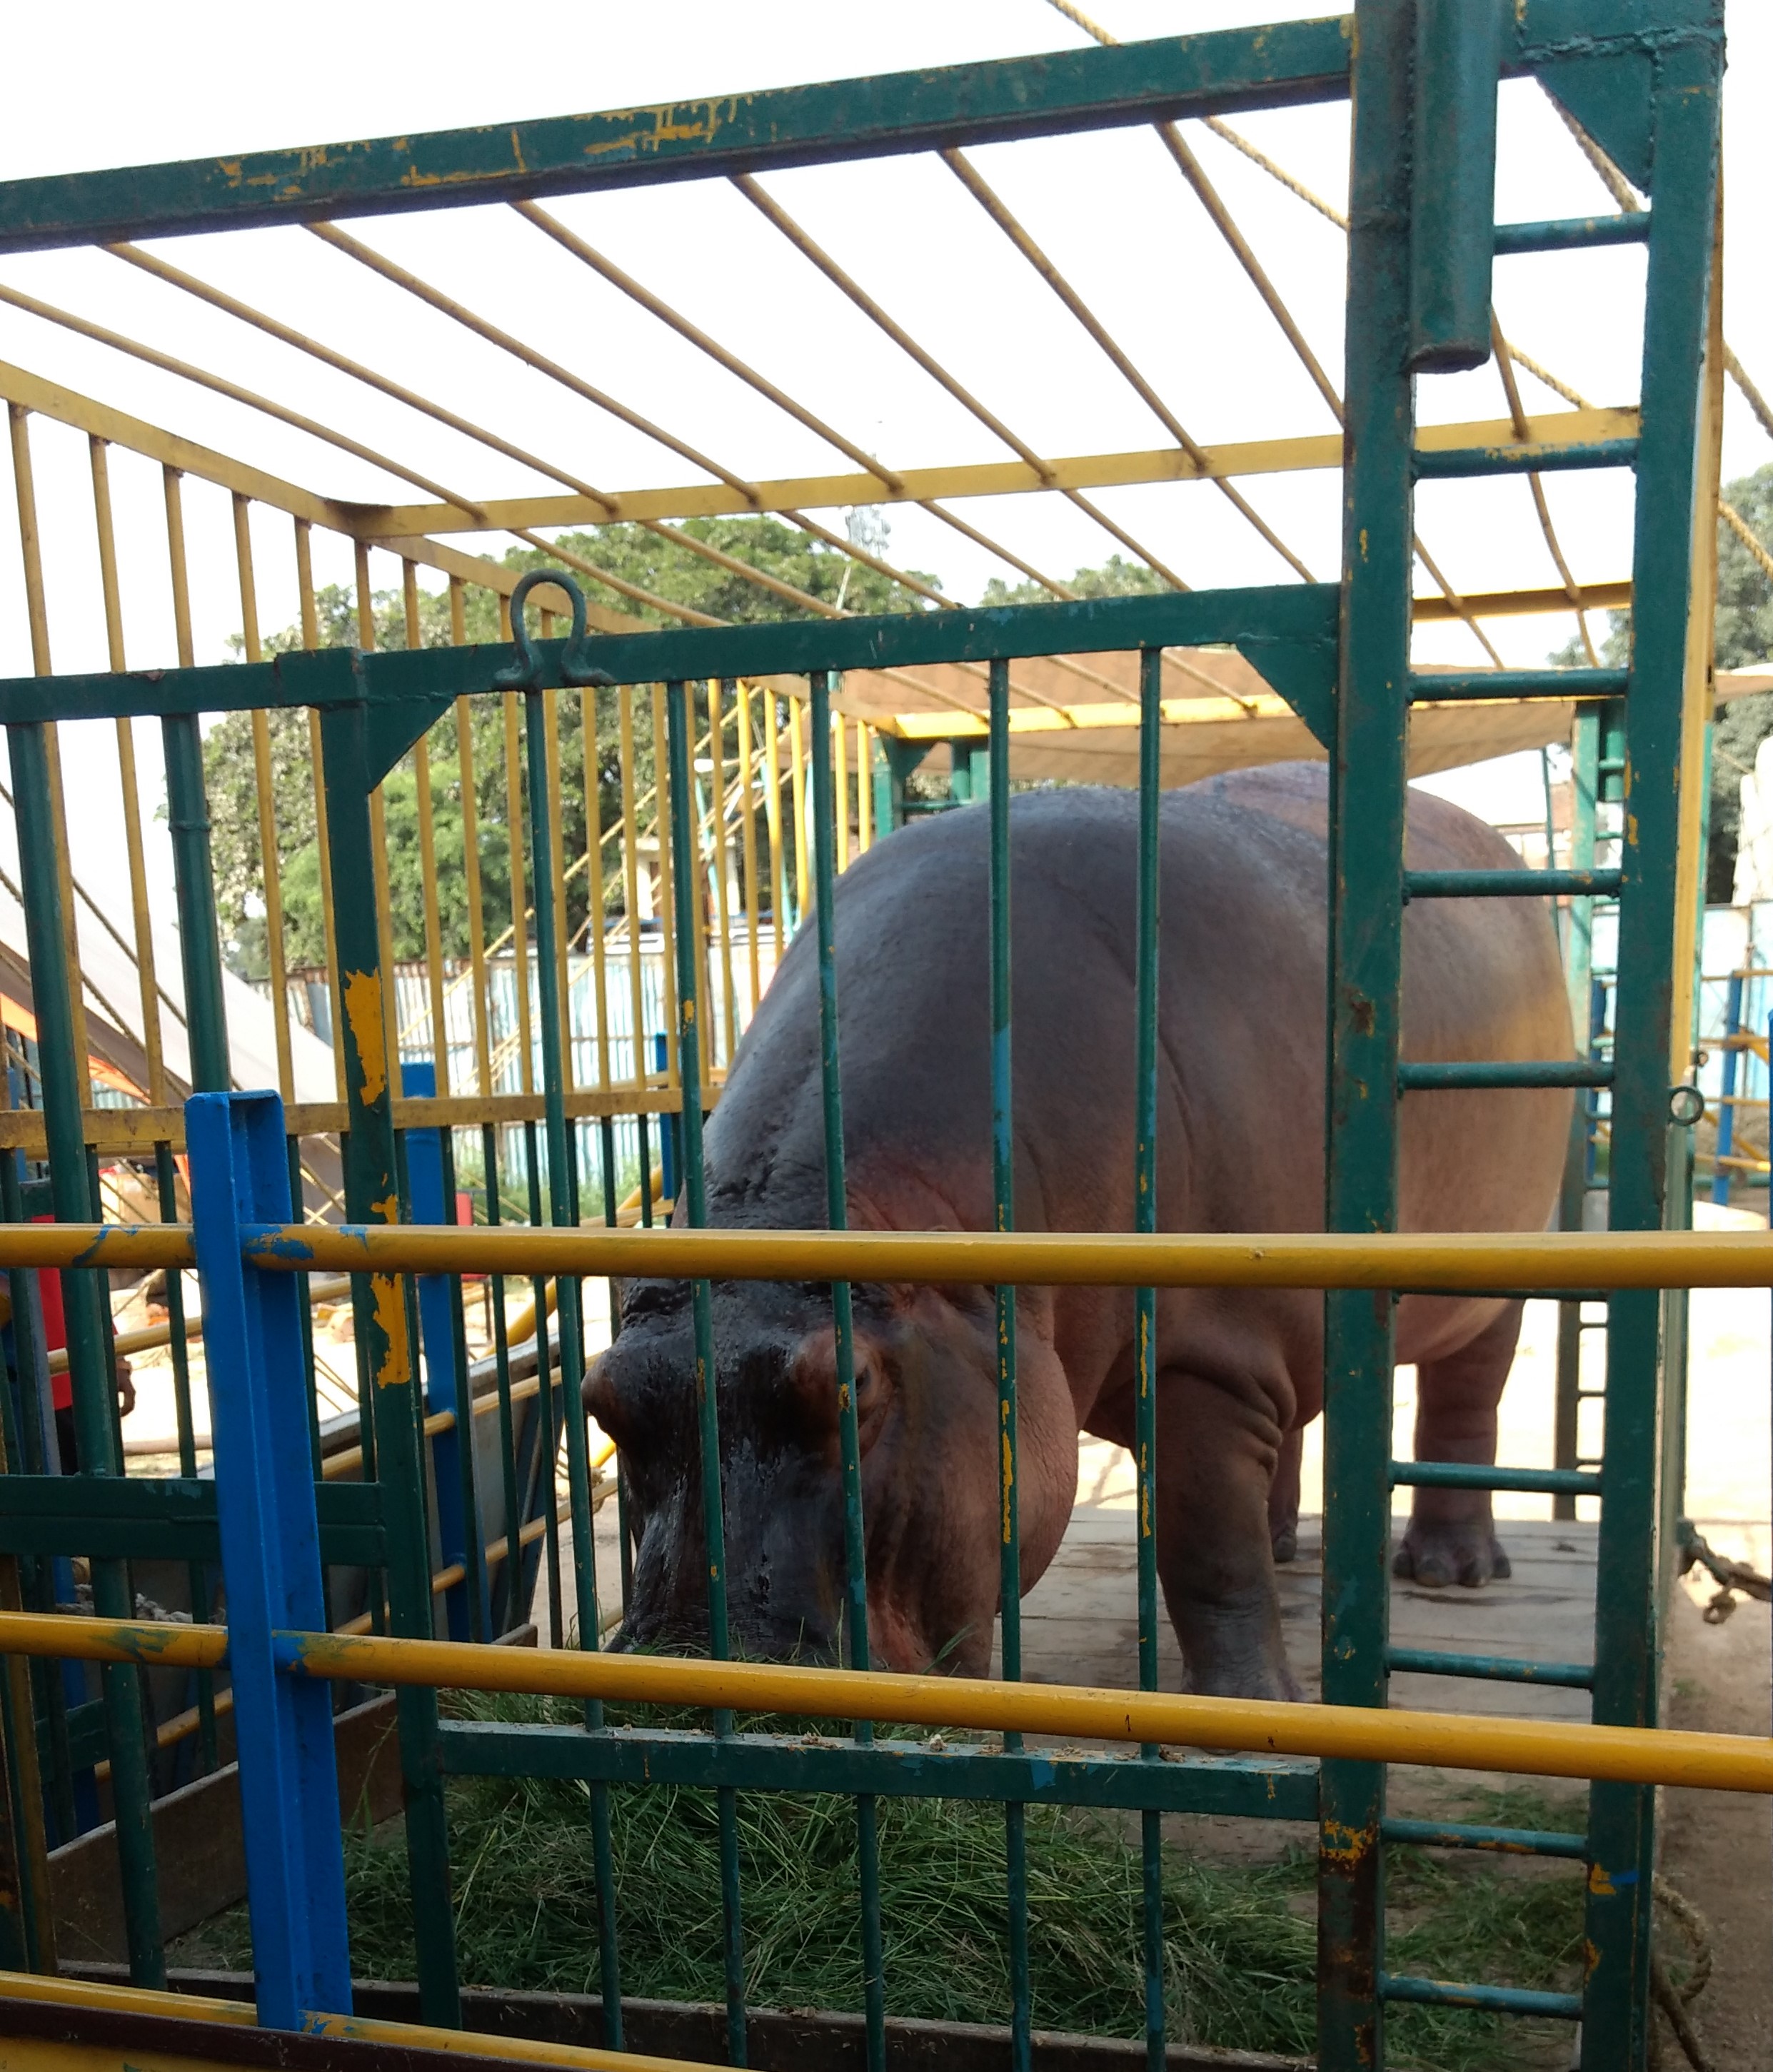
(1600,1884)
(1009,1484)
(363,1018)
(1344,1844)
(395,1369)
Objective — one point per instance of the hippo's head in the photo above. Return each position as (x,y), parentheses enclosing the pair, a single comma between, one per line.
(926,1404)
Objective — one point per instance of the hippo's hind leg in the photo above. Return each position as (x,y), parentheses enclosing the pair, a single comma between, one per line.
(1217,1448)
(1451,1536)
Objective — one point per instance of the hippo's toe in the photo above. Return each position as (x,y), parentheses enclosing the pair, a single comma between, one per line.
(1437,1557)
(1286,1545)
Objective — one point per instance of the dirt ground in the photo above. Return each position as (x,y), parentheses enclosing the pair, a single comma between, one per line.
(1718,1847)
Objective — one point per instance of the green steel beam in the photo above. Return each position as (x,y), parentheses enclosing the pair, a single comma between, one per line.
(1367,793)
(1279,65)
(1297,620)
(930,110)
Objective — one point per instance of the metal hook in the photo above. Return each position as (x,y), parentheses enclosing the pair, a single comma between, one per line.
(525,673)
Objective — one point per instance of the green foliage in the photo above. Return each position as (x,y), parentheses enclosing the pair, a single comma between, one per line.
(653,561)
(1115,578)
(1743,630)
(1240,1942)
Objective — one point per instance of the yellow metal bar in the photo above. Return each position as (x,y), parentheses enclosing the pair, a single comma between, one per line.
(748,808)
(865,786)
(698,894)
(520,936)
(835,751)
(270,875)
(716,830)
(557,870)
(668,920)
(596,888)
(1539,1748)
(471,853)
(310,640)
(77,1995)
(797,765)
(175,554)
(1445,1261)
(772,822)
(1551,429)
(129,781)
(427,850)
(78,986)
(630,868)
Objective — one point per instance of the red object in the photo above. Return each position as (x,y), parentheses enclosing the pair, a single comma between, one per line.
(49,1295)
(464,1206)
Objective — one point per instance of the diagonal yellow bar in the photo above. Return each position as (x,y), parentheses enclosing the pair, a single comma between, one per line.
(1538,1747)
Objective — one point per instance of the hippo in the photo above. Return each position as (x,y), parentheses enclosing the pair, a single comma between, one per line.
(1243,880)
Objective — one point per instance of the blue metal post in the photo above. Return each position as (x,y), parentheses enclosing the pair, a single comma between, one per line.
(456,1529)
(668,1127)
(270,1547)
(1726,1106)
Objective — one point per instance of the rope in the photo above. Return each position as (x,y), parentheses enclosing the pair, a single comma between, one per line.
(1729,1576)
(1675,2000)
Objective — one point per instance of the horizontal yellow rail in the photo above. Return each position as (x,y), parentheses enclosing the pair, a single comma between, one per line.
(77,1996)
(1535,1748)
(1447,1261)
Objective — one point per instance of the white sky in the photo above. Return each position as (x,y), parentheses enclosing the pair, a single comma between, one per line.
(185,79)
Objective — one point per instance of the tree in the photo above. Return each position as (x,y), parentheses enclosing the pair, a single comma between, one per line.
(651,560)
(1114,579)
(1743,633)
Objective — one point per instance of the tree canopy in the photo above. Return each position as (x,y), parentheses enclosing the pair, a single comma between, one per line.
(651,562)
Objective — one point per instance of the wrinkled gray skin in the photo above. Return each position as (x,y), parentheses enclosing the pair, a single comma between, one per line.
(1240,1137)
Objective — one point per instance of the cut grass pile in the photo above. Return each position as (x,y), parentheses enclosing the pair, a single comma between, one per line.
(1240,1942)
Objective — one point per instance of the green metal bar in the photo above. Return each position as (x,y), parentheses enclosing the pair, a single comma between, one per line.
(1462,686)
(563,1212)
(381,1331)
(200,938)
(693,1195)
(1503,1841)
(1145,1221)
(1493,2000)
(1459,58)
(508,1603)
(1366,794)
(1490,1668)
(1571,233)
(895,112)
(1442,463)
(166,1176)
(855,1542)
(398,683)
(1003,1175)
(64,1078)
(1465,1474)
(1578,974)
(1621,1824)
(474,1552)
(1430,1077)
(1508,884)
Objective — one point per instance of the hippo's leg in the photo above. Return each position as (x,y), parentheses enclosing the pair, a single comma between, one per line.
(1283,1498)
(1216,1455)
(1451,1537)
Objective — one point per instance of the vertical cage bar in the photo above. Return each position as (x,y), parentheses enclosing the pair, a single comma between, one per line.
(87,1325)
(717,829)
(596,886)
(631,892)
(1144,1375)
(837,745)
(826,805)
(1622,1817)
(797,800)
(1003,1178)
(674,803)
(263,786)
(519,898)
(676,736)
(772,826)
(310,641)
(865,787)
(434,973)
(748,825)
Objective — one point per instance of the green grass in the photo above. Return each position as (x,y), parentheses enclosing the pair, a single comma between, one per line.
(1240,1942)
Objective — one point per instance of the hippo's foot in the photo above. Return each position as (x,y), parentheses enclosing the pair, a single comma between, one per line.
(1437,1555)
(1287,1544)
